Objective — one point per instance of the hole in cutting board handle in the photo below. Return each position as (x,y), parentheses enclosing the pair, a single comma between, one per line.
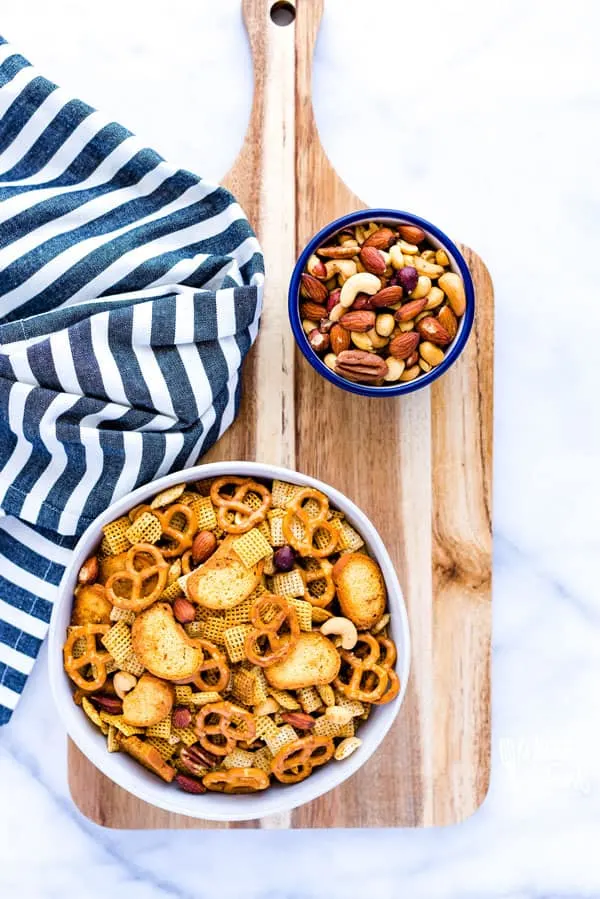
(283,12)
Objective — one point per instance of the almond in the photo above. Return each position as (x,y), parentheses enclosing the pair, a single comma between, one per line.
(203,546)
(404,345)
(448,320)
(314,312)
(183,610)
(409,310)
(411,233)
(339,339)
(372,260)
(338,252)
(388,296)
(360,366)
(88,572)
(433,330)
(313,289)
(361,321)
(382,239)
(412,359)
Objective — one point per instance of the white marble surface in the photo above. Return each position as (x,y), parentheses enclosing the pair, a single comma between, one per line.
(485,118)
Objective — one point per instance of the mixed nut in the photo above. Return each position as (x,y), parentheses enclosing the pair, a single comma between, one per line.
(379,304)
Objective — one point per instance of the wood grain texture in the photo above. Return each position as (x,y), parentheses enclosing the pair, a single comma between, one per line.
(419,466)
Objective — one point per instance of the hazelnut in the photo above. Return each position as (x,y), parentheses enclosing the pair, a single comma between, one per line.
(318,341)
(408,277)
(284,558)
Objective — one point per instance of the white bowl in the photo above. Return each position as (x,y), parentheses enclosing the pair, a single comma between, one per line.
(127,773)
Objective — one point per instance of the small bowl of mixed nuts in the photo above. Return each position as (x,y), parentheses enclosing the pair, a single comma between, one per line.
(381,302)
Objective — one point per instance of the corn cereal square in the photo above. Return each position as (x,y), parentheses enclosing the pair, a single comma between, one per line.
(92,712)
(118,641)
(122,615)
(303,611)
(185,734)
(164,748)
(288,583)
(112,739)
(285,699)
(309,699)
(172,591)
(263,759)
(115,536)
(282,493)
(162,729)
(214,629)
(348,538)
(132,664)
(276,527)
(251,547)
(118,721)
(183,694)
(204,697)
(239,758)
(235,638)
(205,513)
(145,529)
(285,735)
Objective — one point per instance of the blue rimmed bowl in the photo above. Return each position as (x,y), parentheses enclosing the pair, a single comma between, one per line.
(438,240)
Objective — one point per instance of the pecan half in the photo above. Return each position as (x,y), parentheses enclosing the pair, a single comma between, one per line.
(195,759)
(360,366)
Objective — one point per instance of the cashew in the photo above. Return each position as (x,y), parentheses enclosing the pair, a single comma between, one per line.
(336,313)
(409,374)
(441,257)
(395,369)
(431,353)
(337,714)
(363,282)
(343,267)
(410,249)
(362,341)
(453,287)
(427,268)
(428,255)
(378,340)
(422,289)
(385,324)
(123,682)
(344,628)
(435,298)
(396,257)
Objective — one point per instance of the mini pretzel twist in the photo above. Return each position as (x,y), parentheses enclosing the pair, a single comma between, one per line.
(232,724)
(365,679)
(295,761)
(91,655)
(269,615)
(236,780)
(180,538)
(245,517)
(313,575)
(388,647)
(312,524)
(134,577)
(213,674)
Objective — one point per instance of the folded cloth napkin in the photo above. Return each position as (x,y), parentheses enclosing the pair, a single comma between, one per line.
(130,292)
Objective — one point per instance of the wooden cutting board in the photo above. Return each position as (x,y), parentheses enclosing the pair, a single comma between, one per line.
(419,466)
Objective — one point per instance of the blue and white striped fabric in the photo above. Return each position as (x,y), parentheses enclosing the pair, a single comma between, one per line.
(130,292)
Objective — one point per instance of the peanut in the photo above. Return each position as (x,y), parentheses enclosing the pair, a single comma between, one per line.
(384,324)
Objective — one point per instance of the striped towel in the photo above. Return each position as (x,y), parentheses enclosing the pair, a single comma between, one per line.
(130,293)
